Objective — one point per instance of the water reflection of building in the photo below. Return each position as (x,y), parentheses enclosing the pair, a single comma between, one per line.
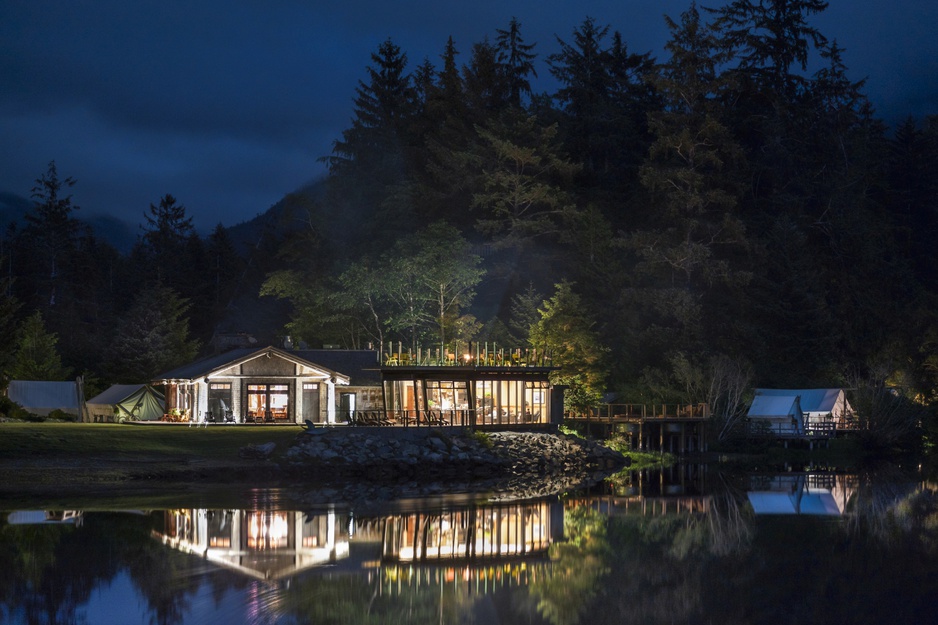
(825,494)
(467,541)
(38,517)
(679,489)
(504,531)
(261,543)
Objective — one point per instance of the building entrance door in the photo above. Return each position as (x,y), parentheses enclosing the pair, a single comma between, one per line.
(268,403)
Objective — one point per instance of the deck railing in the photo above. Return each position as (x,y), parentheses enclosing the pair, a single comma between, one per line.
(436,418)
(464,354)
(815,429)
(629,412)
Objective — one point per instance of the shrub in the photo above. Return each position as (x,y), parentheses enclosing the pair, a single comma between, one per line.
(482,438)
(58,415)
(12,410)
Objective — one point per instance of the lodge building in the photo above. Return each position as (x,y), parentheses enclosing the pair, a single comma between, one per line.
(468,387)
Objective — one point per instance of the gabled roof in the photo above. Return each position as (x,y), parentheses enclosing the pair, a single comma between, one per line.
(811,399)
(203,368)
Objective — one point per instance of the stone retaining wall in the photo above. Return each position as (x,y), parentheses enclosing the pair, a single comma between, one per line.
(440,454)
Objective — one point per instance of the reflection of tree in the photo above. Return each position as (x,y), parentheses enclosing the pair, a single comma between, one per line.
(875,565)
(729,524)
(160,576)
(578,567)
(352,599)
(890,507)
(46,572)
(660,560)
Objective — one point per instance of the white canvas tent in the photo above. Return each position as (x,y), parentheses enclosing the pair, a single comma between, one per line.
(42,397)
(127,402)
(781,414)
(817,404)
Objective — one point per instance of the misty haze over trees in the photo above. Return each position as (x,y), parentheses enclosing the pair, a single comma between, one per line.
(735,206)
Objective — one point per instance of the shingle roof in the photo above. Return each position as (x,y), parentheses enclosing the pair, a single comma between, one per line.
(360,365)
(206,365)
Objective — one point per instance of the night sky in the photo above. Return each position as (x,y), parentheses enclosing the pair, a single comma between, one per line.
(227,105)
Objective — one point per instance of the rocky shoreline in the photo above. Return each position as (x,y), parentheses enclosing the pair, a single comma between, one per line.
(522,463)
(345,464)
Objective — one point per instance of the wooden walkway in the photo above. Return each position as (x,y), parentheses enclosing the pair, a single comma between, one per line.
(674,428)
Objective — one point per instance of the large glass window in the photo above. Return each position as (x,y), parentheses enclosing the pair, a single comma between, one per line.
(447,395)
(536,402)
(401,397)
(268,402)
(507,402)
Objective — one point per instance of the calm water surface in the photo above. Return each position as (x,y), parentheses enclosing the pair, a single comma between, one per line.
(689,545)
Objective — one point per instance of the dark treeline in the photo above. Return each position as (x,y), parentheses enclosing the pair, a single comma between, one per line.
(678,228)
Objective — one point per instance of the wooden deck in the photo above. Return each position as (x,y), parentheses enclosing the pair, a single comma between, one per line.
(675,428)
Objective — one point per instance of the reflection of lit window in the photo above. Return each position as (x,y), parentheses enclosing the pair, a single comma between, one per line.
(267,530)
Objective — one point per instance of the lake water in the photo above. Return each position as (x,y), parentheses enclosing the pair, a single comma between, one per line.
(692,544)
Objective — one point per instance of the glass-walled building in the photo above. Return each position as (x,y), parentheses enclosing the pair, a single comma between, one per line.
(468,395)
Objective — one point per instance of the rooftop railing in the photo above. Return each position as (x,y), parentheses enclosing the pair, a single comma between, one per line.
(643,411)
(464,354)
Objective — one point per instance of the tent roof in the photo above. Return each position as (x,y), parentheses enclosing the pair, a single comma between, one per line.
(810,501)
(41,394)
(116,394)
(773,406)
(812,399)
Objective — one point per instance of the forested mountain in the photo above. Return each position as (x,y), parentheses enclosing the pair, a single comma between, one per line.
(733,213)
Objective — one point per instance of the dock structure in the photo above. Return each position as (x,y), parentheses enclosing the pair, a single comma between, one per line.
(815,434)
(672,428)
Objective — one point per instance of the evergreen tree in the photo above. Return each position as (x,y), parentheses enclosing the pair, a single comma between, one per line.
(686,252)
(443,196)
(35,356)
(487,88)
(523,186)
(162,249)
(565,331)
(912,174)
(374,159)
(9,306)
(524,313)
(517,61)
(583,71)
(48,241)
(772,43)
(152,337)
(605,99)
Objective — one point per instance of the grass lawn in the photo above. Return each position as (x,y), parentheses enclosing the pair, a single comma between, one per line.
(76,440)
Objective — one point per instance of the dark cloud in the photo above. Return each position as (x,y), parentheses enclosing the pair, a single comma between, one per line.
(229,105)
